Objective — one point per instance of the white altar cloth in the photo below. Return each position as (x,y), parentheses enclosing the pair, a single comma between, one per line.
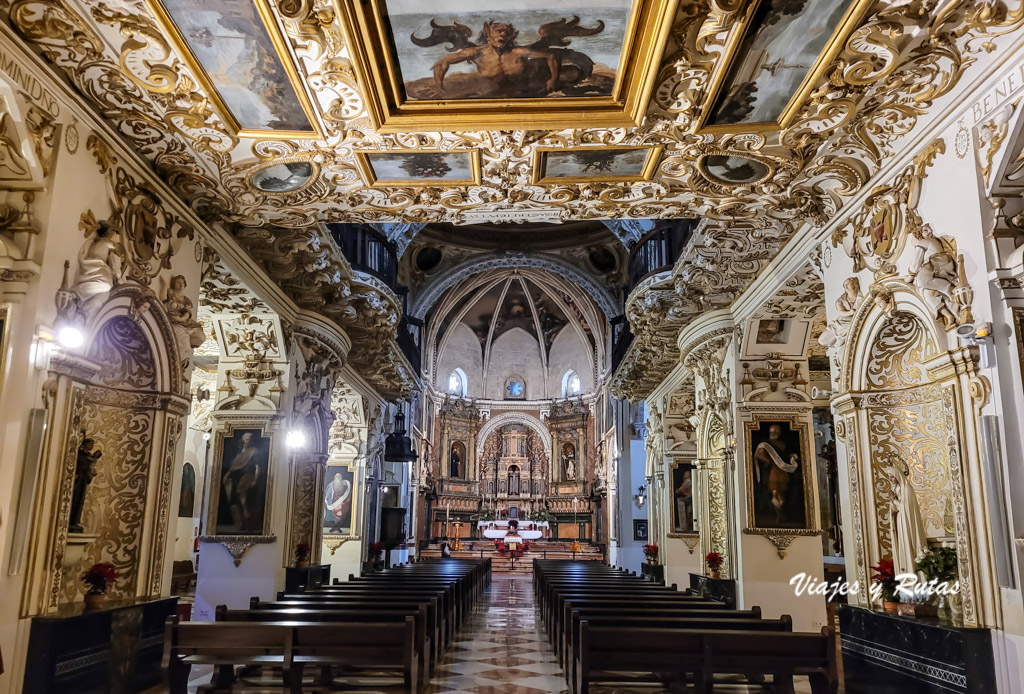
(504,524)
(498,533)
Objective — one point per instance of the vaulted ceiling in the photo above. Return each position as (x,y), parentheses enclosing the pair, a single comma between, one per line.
(271,117)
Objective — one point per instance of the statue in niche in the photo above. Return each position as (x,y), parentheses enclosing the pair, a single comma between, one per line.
(934,272)
(456,459)
(569,461)
(85,471)
(909,539)
(100,265)
(846,305)
(188,332)
(501,487)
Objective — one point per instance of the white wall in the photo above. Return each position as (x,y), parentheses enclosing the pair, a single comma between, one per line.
(569,351)
(463,351)
(515,353)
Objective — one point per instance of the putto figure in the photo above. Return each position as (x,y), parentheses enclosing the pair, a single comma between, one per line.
(506,70)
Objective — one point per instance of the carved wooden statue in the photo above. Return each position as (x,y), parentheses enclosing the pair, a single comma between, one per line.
(85,471)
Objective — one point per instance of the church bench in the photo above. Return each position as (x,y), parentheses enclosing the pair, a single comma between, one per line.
(554,590)
(355,648)
(605,653)
(553,617)
(270,613)
(715,622)
(443,603)
(461,589)
(183,576)
(225,646)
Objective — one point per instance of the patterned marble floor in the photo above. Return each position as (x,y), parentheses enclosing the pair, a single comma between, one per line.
(502,649)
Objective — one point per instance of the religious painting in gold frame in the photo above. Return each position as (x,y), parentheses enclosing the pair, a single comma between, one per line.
(241,482)
(418,167)
(340,511)
(595,164)
(773,58)
(778,498)
(239,55)
(449,65)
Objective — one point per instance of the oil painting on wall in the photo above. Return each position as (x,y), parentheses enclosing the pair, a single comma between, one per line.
(406,168)
(451,49)
(234,48)
(339,490)
(242,471)
(682,495)
(779,50)
(596,164)
(776,455)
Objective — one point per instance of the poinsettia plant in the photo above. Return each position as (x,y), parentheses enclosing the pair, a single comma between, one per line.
(302,551)
(885,576)
(714,561)
(376,549)
(651,552)
(507,551)
(99,577)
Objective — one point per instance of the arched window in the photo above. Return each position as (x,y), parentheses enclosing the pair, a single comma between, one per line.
(515,388)
(457,383)
(571,384)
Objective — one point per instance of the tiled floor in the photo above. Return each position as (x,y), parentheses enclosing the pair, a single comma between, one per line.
(501,649)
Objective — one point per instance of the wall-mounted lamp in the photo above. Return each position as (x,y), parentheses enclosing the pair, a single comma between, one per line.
(296,438)
(206,436)
(640,498)
(70,337)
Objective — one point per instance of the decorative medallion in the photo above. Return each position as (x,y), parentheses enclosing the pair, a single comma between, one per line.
(283,176)
(199,251)
(71,138)
(962,142)
(733,170)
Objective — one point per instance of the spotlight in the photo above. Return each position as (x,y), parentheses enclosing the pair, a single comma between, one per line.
(71,337)
(966,330)
(295,439)
(206,436)
(982,331)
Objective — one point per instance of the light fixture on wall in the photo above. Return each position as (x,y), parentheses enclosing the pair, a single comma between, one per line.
(296,438)
(71,337)
(398,446)
(640,498)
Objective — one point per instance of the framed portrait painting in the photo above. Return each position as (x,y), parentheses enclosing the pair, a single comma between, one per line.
(595,164)
(339,501)
(779,477)
(682,498)
(241,471)
(415,167)
(784,337)
(451,65)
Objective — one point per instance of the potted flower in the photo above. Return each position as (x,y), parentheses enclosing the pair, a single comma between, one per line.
(651,553)
(302,555)
(885,577)
(375,550)
(714,560)
(98,578)
(939,567)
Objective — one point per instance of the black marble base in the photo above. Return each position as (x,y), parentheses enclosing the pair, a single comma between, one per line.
(723,589)
(113,650)
(656,572)
(298,578)
(891,654)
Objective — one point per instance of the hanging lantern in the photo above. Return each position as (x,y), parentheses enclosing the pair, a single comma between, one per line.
(398,446)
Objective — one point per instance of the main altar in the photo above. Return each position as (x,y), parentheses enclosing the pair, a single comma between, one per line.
(538,467)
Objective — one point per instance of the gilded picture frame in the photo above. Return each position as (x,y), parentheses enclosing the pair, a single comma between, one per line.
(288,63)
(542,158)
(5,319)
(265,440)
(350,474)
(364,162)
(734,43)
(367,28)
(756,430)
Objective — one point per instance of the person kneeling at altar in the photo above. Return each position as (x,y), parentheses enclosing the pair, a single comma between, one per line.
(446,551)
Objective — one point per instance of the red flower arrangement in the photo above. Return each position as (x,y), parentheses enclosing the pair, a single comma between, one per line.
(99,577)
(376,549)
(714,561)
(302,551)
(885,575)
(651,552)
(506,551)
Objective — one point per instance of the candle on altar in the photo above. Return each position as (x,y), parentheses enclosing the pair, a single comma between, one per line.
(448,515)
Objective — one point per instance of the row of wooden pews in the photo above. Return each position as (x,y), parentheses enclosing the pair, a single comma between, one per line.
(392,625)
(609,626)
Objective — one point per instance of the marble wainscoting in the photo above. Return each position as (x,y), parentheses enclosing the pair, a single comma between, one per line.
(892,654)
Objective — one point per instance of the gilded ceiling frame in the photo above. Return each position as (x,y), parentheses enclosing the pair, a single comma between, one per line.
(851,20)
(375,66)
(367,173)
(284,54)
(650,166)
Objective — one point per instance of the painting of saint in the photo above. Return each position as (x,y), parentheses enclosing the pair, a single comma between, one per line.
(777,467)
(338,496)
(453,50)
(778,52)
(243,483)
(232,45)
(187,500)
(682,493)
(457,460)
(604,162)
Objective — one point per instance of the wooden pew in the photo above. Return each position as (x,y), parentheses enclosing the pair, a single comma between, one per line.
(607,651)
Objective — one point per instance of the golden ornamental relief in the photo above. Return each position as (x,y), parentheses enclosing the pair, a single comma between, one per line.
(898,353)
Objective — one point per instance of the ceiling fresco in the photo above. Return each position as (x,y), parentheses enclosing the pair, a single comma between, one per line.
(737,128)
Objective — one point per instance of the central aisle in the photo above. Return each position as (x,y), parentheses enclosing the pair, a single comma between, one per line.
(501,648)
